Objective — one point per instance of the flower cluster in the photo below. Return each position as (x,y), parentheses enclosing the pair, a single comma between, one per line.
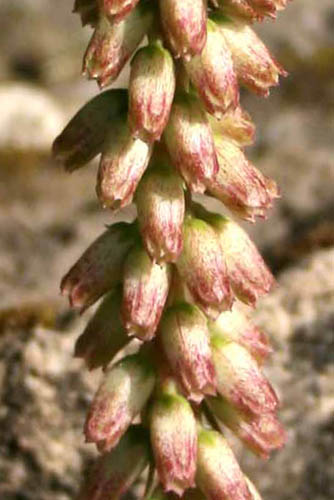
(179,279)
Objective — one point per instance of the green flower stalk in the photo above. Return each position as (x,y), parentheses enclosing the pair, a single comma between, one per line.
(180,279)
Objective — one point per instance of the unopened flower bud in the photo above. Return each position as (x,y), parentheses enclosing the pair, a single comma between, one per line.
(190,142)
(104,335)
(174,441)
(160,206)
(249,276)
(88,11)
(117,9)
(212,73)
(145,291)
(261,433)
(122,165)
(184,24)
(83,138)
(254,65)
(218,473)
(151,91)
(185,339)
(123,393)
(238,184)
(235,326)
(202,266)
(240,380)
(235,124)
(115,472)
(112,44)
(99,268)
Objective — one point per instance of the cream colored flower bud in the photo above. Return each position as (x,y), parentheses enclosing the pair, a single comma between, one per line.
(235,124)
(184,24)
(185,339)
(249,276)
(99,268)
(123,393)
(112,44)
(234,325)
(261,433)
(174,441)
(84,137)
(151,91)
(116,471)
(190,142)
(212,73)
(202,267)
(117,9)
(240,380)
(253,63)
(218,473)
(123,162)
(145,290)
(104,335)
(160,207)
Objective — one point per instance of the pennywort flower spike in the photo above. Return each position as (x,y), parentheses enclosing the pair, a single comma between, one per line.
(181,357)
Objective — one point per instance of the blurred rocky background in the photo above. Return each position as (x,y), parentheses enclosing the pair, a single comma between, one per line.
(48,217)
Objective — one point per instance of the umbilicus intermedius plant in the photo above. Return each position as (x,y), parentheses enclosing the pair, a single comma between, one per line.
(177,276)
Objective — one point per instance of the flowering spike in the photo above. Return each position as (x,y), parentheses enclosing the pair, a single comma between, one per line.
(123,162)
(218,473)
(212,73)
(116,10)
(145,291)
(185,339)
(190,143)
(261,433)
(174,451)
(112,45)
(83,138)
(123,393)
(104,335)
(202,266)
(160,206)
(240,380)
(99,268)
(184,24)
(254,65)
(151,91)
(239,185)
(235,326)
(114,472)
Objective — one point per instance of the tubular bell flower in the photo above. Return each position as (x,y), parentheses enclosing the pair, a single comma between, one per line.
(115,471)
(151,91)
(240,380)
(185,340)
(175,276)
(174,451)
(218,473)
(253,63)
(190,143)
(145,291)
(212,73)
(160,206)
(99,268)
(202,267)
(112,44)
(123,162)
(123,393)
(184,24)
